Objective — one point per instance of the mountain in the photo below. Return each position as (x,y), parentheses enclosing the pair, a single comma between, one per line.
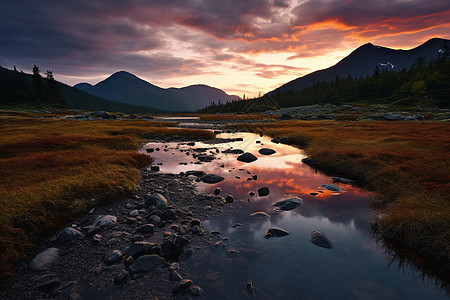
(127,88)
(363,61)
(21,89)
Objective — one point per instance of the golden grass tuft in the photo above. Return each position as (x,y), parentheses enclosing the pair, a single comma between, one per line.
(406,164)
(52,168)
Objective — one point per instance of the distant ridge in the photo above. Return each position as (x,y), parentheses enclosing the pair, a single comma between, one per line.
(127,88)
(362,62)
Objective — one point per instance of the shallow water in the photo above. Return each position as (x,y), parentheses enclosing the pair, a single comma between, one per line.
(289,267)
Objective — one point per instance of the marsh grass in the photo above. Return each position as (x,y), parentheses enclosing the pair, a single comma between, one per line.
(406,164)
(51,170)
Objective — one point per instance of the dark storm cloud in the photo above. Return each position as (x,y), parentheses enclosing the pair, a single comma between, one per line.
(146,36)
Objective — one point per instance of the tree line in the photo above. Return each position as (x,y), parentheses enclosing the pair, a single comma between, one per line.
(426,83)
(19,88)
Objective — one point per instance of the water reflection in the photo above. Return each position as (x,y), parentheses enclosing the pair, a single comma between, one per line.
(291,266)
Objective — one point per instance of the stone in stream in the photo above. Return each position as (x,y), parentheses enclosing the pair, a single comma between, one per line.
(275,141)
(195,173)
(249,287)
(154,168)
(68,234)
(233,151)
(173,245)
(229,199)
(182,286)
(275,232)
(319,239)
(44,260)
(310,162)
(212,178)
(331,187)
(266,151)
(155,199)
(217,191)
(105,220)
(247,157)
(146,263)
(286,140)
(343,180)
(288,203)
(174,276)
(259,214)
(154,219)
(263,191)
(195,290)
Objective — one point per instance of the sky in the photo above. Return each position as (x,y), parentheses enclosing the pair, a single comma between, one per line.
(240,46)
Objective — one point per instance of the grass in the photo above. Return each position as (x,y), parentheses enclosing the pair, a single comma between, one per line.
(235,117)
(406,164)
(52,168)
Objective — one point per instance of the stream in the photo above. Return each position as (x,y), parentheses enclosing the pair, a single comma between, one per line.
(291,266)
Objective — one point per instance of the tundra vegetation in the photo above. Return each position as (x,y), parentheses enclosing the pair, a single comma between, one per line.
(406,164)
(53,169)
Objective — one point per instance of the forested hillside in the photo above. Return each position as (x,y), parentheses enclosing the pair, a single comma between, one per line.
(423,83)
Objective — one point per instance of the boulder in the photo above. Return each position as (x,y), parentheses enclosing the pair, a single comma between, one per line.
(233,151)
(44,260)
(68,234)
(275,232)
(217,191)
(155,199)
(247,157)
(343,180)
(288,203)
(173,245)
(286,140)
(113,257)
(263,191)
(266,151)
(105,220)
(319,239)
(212,178)
(195,173)
(147,228)
(182,286)
(146,263)
(331,187)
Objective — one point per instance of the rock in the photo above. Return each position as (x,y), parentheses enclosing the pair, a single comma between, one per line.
(314,194)
(285,116)
(169,214)
(205,157)
(236,225)
(229,199)
(154,168)
(259,214)
(191,144)
(343,180)
(217,191)
(195,173)
(97,238)
(105,220)
(233,151)
(266,151)
(195,290)
(113,257)
(138,249)
(387,234)
(331,187)
(276,141)
(156,199)
(195,222)
(154,219)
(247,157)
(286,140)
(263,191)
(137,238)
(275,232)
(182,286)
(195,229)
(149,150)
(134,213)
(121,277)
(310,162)
(146,263)
(174,276)
(173,245)
(44,260)
(251,194)
(319,239)
(147,228)
(288,203)
(68,234)
(212,178)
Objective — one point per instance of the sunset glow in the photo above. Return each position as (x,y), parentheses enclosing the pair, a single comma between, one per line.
(242,47)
